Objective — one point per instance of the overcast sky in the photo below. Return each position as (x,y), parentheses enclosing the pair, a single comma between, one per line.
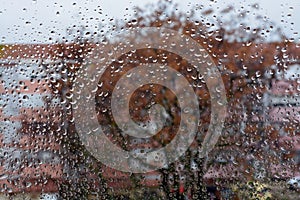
(34,21)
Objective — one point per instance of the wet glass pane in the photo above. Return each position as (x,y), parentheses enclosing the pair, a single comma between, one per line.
(149,99)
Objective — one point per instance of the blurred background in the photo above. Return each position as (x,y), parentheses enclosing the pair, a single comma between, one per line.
(255,46)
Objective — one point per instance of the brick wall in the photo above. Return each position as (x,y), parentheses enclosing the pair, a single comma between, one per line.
(29,151)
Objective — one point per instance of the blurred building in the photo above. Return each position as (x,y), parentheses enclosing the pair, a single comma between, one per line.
(29,121)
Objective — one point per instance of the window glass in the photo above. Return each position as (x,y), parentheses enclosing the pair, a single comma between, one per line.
(162,99)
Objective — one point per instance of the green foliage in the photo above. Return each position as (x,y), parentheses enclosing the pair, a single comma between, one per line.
(253,190)
(1,49)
